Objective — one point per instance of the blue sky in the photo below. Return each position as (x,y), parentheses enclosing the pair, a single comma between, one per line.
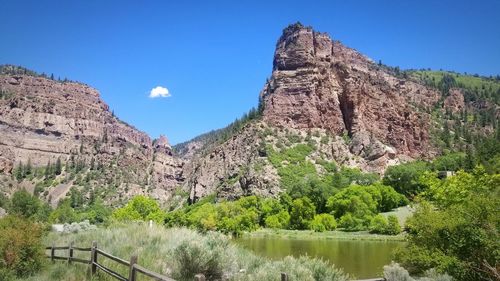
(214,56)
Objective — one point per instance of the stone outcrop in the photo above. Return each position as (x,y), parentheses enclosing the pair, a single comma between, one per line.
(319,83)
(230,169)
(42,120)
(454,102)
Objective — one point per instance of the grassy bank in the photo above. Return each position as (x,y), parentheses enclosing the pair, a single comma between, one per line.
(309,234)
(181,253)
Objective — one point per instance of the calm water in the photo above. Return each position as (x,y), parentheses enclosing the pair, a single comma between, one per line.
(363,259)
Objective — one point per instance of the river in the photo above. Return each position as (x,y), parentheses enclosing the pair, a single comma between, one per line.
(360,258)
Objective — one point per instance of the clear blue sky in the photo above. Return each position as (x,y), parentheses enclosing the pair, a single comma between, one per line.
(214,56)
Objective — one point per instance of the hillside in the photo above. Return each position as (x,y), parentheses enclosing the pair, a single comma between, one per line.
(59,135)
(325,107)
(348,111)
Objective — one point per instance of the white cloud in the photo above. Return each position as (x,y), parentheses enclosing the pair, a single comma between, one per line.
(159,92)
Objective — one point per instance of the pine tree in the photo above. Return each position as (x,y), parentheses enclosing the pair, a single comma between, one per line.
(19,172)
(28,168)
(58,167)
(470,160)
(48,170)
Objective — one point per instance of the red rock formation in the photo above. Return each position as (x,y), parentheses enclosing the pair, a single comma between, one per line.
(43,120)
(319,83)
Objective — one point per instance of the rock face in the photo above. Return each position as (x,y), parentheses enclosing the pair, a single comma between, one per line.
(372,118)
(42,120)
(319,83)
(236,168)
(455,101)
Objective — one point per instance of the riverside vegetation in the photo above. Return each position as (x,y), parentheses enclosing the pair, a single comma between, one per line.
(441,234)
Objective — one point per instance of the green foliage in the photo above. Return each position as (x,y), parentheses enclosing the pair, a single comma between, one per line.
(280,220)
(394,227)
(29,206)
(323,222)
(21,249)
(459,237)
(228,217)
(302,213)
(64,213)
(404,178)
(356,205)
(379,224)
(292,165)
(349,222)
(458,188)
(347,176)
(449,162)
(140,208)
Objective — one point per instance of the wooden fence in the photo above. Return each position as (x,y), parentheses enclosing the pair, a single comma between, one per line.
(133,268)
(95,253)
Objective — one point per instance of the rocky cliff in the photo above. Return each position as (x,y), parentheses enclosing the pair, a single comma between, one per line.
(42,120)
(319,84)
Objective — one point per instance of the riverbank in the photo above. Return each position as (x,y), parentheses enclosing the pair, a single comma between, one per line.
(179,253)
(327,235)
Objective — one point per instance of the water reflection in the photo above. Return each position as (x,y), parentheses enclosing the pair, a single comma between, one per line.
(364,259)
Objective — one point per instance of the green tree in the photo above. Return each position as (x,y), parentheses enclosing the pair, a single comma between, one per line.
(64,213)
(404,178)
(24,204)
(459,237)
(280,220)
(58,166)
(140,208)
(323,222)
(303,211)
(378,224)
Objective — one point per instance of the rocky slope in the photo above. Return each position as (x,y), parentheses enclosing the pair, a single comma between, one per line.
(43,120)
(320,85)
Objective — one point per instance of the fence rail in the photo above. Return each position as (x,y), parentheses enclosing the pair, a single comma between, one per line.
(95,252)
(133,267)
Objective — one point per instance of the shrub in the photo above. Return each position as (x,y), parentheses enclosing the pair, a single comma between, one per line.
(26,205)
(460,239)
(140,208)
(203,255)
(279,220)
(64,213)
(394,272)
(323,222)
(352,223)
(303,211)
(379,224)
(78,227)
(393,226)
(404,178)
(21,249)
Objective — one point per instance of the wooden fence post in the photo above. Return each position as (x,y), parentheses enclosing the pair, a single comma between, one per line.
(93,258)
(199,277)
(131,272)
(70,252)
(284,276)
(52,252)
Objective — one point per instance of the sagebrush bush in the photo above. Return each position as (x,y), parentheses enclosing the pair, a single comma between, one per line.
(21,249)
(395,272)
(181,253)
